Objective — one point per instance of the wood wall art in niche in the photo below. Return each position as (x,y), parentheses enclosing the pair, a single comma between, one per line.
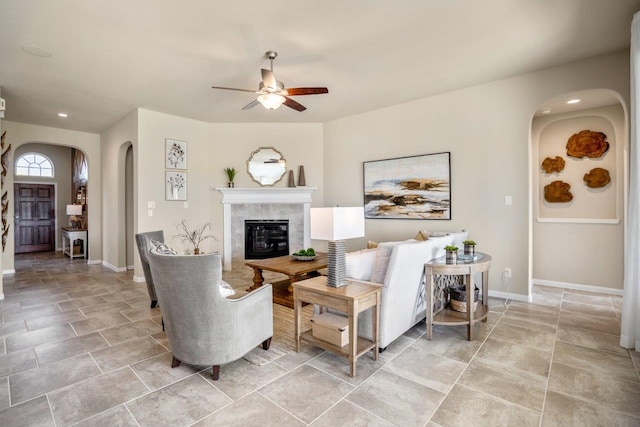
(550,165)
(558,192)
(597,178)
(587,143)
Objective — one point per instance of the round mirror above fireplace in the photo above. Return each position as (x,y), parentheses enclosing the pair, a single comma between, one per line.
(266,166)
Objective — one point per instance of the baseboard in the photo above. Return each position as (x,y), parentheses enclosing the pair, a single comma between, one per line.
(510,296)
(1,296)
(94,261)
(114,268)
(138,278)
(578,287)
(10,271)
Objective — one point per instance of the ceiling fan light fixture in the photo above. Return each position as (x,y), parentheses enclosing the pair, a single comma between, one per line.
(271,101)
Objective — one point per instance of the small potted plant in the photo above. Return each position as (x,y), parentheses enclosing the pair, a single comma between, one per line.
(452,254)
(195,236)
(469,247)
(231,174)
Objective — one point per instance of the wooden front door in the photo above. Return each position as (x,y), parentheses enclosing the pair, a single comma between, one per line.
(34,218)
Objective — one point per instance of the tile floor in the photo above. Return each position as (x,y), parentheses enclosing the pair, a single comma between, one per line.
(80,346)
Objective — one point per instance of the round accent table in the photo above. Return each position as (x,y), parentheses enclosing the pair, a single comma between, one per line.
(462,267)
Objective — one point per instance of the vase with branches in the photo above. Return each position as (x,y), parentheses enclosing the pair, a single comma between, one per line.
(195,236)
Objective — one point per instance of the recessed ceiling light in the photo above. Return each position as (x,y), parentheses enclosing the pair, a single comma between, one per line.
(545,110)
(63,115)
(573,101)
(36,51)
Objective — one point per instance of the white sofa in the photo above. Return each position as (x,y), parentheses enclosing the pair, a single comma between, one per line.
(398,267)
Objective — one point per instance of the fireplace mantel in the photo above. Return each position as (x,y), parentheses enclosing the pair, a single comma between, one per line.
(261,195)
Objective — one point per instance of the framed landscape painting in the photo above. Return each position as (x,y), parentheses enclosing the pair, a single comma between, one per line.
(416,187)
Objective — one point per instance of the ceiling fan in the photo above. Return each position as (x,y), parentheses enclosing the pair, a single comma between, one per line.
(272,93)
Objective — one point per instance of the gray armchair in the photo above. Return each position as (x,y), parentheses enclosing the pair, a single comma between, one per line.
(142,239)
(203,327)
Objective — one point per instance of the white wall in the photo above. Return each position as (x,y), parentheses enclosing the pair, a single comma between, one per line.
(487,130)
(580,242)
(21,133)
(61,158)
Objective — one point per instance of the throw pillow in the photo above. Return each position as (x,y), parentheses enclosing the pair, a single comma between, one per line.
(423,235)
(372,245)
(226,290)
(360,264)
(162,249)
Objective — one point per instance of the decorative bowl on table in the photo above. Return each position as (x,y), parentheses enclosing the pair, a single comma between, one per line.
(303,257)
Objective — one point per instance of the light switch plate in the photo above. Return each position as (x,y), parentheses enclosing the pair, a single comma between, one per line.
(151,205)
(508,201)
(150,212)
(186,205)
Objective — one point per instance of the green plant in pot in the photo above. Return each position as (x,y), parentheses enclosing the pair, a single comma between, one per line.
(469,247)
(231,174)
(451,254)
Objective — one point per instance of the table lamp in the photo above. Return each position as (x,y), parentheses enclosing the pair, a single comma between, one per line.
(336,225)
(73,211)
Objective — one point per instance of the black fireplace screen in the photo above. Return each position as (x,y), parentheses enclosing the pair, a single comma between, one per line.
(266,238)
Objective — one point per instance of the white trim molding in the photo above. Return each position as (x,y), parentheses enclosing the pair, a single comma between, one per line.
(262,195)
(578,287)
(10,271)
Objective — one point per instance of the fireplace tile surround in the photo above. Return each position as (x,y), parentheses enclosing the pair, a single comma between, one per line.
(292,203)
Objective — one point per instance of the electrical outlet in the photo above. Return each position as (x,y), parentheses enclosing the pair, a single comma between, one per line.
(507,272)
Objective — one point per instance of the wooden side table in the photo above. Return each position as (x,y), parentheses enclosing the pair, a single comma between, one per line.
(353,298)
(448,316)
(70,235)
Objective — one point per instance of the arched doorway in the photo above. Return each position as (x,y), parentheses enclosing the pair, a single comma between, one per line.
(578,243)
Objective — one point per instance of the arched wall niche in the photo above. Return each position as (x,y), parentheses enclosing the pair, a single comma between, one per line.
(580,243)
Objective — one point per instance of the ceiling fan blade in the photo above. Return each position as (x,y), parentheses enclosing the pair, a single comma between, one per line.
(251,104)
(297,91)
(232,88)
(294,104)
(269,79)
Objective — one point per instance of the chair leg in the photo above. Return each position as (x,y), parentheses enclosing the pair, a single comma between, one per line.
(175,362)
(162,320)
(216,372)
(266,344)
(154,303)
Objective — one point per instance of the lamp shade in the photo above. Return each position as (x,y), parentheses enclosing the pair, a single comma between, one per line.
(336,223)
(74,209)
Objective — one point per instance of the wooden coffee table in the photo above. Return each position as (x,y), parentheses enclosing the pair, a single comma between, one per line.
(296,270)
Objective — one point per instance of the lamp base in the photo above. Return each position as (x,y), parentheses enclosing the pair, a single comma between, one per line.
(336,263)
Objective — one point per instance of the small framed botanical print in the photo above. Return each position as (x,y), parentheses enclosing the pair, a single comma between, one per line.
(175,185)
(175,154)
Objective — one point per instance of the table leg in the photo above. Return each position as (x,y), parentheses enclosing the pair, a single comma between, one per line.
(64,246)
(84,244)
(470,302)
(485,291)
(376,327)
(258,279)
(353,337)
(297,316)
(429,300)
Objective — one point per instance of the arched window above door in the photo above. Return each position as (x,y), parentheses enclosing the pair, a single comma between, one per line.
(34,164)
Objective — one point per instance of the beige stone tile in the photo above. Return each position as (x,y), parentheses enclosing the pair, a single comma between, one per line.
(82,302)
(596,387)
(32,312)
(239,378)
(510,384)
(98,321)
(306,392)
(562,410)
(43,300)
(516,356)
(348,414)
(543,318)
(466,407)
(339,366)
(35,412)
(118,416)
(396,399)
(36,382)
(591,339)
(602,361)
(62,349)
(5,401)
(541,340)
(587,298)
(142,313)
(130,331)
(535,309)
(80,401)
(40,336)
(294,359)
(156,372)
(450,346)
(608,325)
(252,411)
(127,353)
(429,369)
(91,311)
(10,328)
(526,322)
(590,309)
(179,404)
(17,361)
(54,319)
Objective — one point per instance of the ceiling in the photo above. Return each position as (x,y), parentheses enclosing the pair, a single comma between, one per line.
(103,59)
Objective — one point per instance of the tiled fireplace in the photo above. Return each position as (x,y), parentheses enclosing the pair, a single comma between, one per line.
(266,203)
